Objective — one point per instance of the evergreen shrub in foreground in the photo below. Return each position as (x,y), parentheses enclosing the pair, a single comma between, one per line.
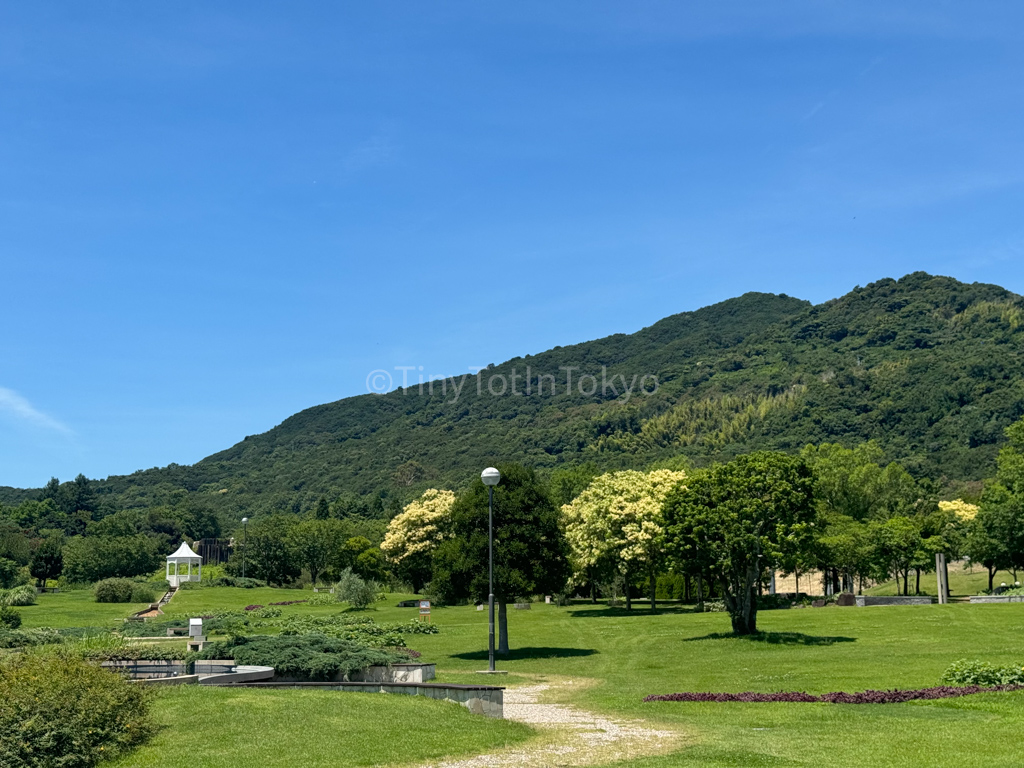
(59,710)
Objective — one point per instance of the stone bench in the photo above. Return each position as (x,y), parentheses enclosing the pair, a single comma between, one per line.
(868,600)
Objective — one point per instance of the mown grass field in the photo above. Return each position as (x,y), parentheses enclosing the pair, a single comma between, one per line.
(225,728)
(75,609)
(623,656)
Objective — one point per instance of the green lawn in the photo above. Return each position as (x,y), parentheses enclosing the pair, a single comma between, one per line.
(628,655)
(224,728)
(814,650)
(75,609)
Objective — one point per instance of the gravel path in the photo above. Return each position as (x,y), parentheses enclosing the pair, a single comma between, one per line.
(569,736)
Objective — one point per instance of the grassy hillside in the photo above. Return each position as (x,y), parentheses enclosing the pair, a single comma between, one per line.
(929,367)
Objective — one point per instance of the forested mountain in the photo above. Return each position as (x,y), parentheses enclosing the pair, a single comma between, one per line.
(927,366)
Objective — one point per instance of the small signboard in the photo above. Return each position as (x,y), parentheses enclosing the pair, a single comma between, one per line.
(425,609)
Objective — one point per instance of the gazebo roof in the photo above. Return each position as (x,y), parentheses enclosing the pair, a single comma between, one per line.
(184,552)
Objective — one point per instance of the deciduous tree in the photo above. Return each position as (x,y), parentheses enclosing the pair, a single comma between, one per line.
(730,522)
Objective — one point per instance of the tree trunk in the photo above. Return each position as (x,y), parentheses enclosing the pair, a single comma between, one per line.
(654,591)
(629,598)
(593,592)
(502,629)
(700,593)
(744,609)
(796,575)
(906,581)
(917,581)
(991,576)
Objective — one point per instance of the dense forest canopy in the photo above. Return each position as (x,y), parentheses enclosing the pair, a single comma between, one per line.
(927,367)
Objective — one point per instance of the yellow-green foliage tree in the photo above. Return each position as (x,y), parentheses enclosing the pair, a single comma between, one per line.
(413,535)
(616,522)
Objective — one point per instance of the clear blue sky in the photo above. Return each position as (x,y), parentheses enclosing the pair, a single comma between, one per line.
(213,215)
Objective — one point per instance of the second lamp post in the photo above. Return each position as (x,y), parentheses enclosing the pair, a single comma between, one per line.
(490,477)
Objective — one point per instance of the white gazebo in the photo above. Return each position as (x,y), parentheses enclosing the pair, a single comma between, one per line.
(183,556)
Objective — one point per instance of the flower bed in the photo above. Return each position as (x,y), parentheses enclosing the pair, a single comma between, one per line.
(838,697)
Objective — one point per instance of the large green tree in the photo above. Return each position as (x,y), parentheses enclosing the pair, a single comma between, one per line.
(729,523)
(47,561)
(530,551)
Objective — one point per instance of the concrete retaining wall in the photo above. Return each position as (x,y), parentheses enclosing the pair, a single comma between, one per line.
(863,600)
(479,699)
(208,672)
(997,598)
(396,673)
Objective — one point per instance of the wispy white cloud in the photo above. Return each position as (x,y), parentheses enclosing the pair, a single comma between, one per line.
(376,151)
(13,404)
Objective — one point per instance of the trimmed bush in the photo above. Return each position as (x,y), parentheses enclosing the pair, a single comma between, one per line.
(59,710)
(9,617)
(964,672)
(114,590)
(23,595)
(142,593)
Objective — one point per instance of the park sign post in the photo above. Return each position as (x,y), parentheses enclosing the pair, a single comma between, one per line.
(425,610)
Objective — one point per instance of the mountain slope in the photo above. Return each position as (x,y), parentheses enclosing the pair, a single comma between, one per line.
(930,367)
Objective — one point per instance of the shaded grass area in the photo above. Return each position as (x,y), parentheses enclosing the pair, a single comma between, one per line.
(225,728)
(75,609)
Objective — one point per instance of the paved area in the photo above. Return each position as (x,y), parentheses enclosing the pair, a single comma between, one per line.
(569,736)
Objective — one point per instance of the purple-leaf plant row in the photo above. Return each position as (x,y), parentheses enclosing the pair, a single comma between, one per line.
(839,697)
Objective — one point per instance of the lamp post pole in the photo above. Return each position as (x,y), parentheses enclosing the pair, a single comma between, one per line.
(245,538)
(490,477)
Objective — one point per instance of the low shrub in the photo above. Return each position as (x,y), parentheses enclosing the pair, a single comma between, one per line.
(314,657)
(114,591)
(353,590)
(360,629)
(289,602)
(59,710)
(322,598)
(23,595)
(965,672)
(714,606)
(28,638)
(265,612)
(837,697)
(9,618)
(142,593)
(236,581)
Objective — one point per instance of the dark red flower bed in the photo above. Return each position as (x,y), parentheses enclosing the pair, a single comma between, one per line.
(839,697)
(289,602)
(253,607)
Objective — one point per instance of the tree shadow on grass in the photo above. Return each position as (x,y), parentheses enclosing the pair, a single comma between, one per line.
(529,653)
(604,612)
(776,638)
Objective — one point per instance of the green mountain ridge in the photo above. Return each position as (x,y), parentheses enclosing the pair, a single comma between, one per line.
(929,367)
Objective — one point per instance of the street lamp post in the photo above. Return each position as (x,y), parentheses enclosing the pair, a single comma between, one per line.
(245,538)
(490,477)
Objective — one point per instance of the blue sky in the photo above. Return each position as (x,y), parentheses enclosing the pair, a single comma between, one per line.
(213,215)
